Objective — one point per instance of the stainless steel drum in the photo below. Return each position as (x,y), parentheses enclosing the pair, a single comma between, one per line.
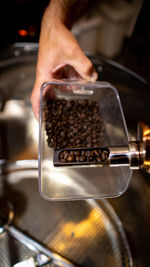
(87,233)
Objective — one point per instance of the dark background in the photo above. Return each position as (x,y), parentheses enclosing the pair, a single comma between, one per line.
(16,15)
(136,50)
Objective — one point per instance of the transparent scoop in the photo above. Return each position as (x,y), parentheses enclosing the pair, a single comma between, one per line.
(82,180)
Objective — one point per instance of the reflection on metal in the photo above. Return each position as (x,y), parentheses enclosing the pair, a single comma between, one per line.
(144,135)
(19,131)
(84,232)
(147,132)
(6,217)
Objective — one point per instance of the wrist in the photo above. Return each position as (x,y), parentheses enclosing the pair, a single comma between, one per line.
(57,15)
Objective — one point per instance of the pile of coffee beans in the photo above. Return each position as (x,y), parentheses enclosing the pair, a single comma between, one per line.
(73,123)
(94,155)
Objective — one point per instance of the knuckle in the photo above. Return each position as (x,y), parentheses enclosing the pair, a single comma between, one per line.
(89,67)
(71,51)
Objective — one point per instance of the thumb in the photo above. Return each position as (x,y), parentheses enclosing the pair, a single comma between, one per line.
(35,98)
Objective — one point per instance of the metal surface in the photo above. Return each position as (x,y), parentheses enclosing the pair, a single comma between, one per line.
(134,158)
(85,232)
(7,208)
(119,156)
(17,70)
(6,214)
(144,134)
(36,261)
(36,246)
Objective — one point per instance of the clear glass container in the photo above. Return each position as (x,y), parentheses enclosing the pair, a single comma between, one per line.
(65,183)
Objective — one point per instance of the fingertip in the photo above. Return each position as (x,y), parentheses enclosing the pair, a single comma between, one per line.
(93,77)
(37,115)
(36,111)
(35,104)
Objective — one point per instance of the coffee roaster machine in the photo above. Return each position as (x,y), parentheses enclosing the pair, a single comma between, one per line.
(110,232)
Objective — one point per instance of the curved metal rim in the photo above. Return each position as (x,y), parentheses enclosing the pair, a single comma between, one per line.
(28,47)
(105,205)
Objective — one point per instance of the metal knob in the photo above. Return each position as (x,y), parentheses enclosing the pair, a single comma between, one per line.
(132,155)
(137,154)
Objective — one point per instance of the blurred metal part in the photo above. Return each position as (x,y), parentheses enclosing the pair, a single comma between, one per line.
(42,259)
(136,154)
(85,232)
(26,263)
(36,261)
(143,133)
(6,218)
(6,214)
(2,102)
(133,156)
(36,246)
(118,156)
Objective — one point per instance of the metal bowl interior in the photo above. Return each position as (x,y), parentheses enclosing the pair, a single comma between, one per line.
(88,233)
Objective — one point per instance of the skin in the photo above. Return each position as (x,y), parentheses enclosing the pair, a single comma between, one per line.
(58,48)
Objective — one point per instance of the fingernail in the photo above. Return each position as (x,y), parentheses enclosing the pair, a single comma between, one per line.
(94,76)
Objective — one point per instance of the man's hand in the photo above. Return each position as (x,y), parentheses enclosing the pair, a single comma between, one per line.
(58,48)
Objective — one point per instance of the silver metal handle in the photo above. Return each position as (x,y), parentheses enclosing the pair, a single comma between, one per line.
(132,155)
(37,247)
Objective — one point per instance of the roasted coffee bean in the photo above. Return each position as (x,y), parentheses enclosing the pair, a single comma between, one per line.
(98,159)
(64,143)
(92,156)
(89,145)
(77,158)
(82,158)
(87,153)
(71,118)
(77,153)
(68,105)
(79,127)
(96,152)
(79,145)
(104,155)
(75,130)
(100,152)
(94,135)
(88,139)
(66,155)
(61,156)
(63,160)
(48,125)
(62,134)
(78,141)
(71,158)
(94,140)
(91,153)
(75,123)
